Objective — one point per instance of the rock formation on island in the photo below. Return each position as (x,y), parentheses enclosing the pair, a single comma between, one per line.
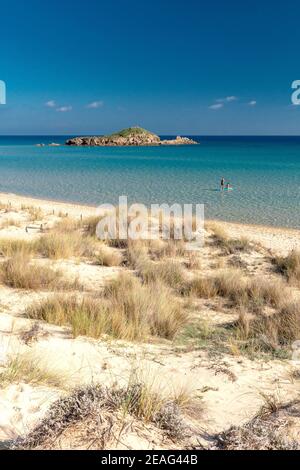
(133,136)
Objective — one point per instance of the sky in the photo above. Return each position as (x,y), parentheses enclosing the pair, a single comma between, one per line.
(191,67)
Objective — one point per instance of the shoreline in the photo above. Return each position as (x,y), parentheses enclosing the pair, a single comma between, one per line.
(276,239)
(73,204)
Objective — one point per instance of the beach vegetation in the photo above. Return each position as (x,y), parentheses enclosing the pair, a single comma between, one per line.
(34,213)
(289,266)
(126,310)
(229,245)
(11,246)
(106,256)
(27,368)
(60,245)
(251,293)
(20,272)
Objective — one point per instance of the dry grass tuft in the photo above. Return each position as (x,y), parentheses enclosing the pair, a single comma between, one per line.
(9,247)
(85,316)
(34,213)
(67,225)
(253,293)
(289,266)
(88,405)
(136,254)
(229,245)
(193,261)
(10,223)
(128,310)
(174,248)
(158,248)
(169,272)
(271,332)
(145,309)
(27,368)
(90,224)
(56,245)
(20,273)
(172,228)
(108,257)
(267,432)
(202,287)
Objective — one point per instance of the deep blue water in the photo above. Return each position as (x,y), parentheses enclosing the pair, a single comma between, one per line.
(264,171)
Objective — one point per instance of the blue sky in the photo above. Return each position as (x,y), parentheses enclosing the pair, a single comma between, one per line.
(190,67)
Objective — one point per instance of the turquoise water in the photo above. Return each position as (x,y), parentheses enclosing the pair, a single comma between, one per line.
(264,171)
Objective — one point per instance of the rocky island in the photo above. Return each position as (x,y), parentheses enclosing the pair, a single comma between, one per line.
(133,136)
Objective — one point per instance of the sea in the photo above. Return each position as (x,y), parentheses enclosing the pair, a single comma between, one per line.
(264,173)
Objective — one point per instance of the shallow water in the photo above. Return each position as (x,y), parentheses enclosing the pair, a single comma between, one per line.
(264,171)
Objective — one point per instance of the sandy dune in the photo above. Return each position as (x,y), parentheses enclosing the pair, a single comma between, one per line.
(230,387)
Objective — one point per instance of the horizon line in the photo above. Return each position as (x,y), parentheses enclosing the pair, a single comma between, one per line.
(159,134)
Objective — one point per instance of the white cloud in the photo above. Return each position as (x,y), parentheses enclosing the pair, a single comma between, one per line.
(227,99)
(50,104)
(64,109)
(231,98)
(252,103)
(95,105)
(216,106)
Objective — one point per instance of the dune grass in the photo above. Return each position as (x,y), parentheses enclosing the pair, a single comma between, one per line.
(136,254)
(271,332)
(229,245)
(168,271)
(90,224)
(106,256)
(202,287)
(85,316)
(151,308)
(127,310)
(67,225)
(9,247)
(34,213)
(192,261)
(251,293)
(173,228)
(6,223)
(84,404)
(20,272)
(56,245)
(289,266)
(29,369)
(151,399)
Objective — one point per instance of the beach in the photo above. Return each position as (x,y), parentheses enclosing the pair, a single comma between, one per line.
(279,240)
(215,390)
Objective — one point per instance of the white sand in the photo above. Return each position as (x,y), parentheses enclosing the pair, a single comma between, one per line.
(230,386)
